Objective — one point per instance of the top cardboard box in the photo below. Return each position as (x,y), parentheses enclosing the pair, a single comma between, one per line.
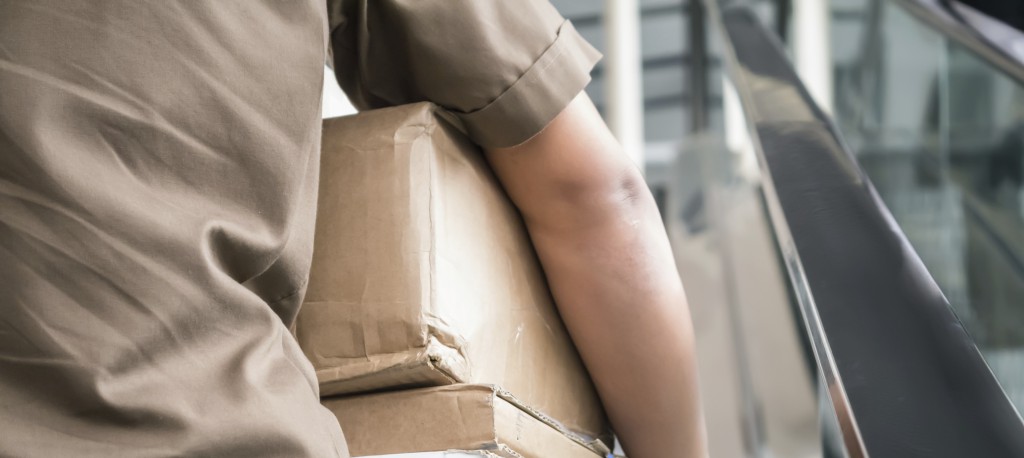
(423,273)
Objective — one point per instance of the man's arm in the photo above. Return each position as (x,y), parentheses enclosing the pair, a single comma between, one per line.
(606,255)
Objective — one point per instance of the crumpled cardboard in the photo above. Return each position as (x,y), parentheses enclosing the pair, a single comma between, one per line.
(423,273)
(474,419)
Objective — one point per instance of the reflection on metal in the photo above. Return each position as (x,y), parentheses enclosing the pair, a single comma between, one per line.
(624,95)
(1004,54)
(752,427)
(903,377)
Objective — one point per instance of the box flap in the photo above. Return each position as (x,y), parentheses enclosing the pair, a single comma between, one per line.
(434,365)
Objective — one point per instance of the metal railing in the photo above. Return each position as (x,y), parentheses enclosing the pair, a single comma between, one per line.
(904,377)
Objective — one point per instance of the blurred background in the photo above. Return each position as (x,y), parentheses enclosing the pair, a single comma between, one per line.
(925,97)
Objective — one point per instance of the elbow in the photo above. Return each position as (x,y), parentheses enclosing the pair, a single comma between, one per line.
(630,191)
(595,202)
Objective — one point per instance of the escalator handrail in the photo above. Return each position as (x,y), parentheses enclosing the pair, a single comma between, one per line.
(998,44)
(904,377)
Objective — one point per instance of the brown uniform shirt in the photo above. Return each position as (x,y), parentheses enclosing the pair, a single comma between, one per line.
(158,176)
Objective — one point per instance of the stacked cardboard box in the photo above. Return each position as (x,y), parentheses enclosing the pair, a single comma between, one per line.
(424,276)
(482,418)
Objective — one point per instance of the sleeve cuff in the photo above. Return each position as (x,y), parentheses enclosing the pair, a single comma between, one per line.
(540,94)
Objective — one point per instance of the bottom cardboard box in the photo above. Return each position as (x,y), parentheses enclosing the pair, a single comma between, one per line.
(447,454)
(475,420)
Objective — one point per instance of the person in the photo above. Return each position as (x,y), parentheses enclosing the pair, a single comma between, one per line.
(158,176)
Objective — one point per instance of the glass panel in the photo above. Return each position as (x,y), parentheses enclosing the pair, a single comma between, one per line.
(739,290)
(939,131)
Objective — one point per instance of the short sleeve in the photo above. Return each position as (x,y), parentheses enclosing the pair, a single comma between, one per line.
(503,69)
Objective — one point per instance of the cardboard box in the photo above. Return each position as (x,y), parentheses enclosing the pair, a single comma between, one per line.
(423,273)
(462,418)
(445,454)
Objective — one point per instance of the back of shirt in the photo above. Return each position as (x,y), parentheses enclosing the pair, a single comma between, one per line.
(158,165)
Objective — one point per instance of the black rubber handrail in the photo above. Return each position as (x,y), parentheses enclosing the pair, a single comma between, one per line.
(903,375)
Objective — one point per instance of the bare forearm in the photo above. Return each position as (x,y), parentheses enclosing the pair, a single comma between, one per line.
(620,296)
(607,258)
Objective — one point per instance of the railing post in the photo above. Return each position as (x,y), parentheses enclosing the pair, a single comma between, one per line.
(624,114)
(812,49)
